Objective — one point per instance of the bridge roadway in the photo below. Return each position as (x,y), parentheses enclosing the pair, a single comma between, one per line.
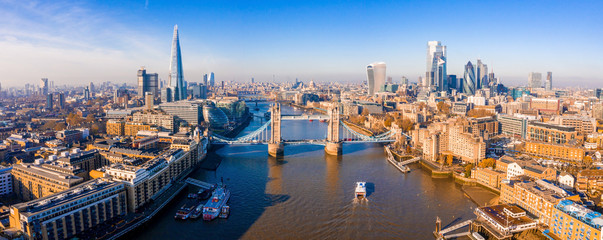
(300,142)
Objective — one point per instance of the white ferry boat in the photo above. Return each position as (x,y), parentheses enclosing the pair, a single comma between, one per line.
(360,189)
(213,207)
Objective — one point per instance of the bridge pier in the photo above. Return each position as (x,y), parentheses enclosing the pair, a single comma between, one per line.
(334,148)
(276,149)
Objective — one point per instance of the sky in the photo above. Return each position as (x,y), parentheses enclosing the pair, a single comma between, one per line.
(77,42)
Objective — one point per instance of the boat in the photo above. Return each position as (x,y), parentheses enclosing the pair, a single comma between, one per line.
(225,212)
(311,120)
(185,211)
(197,211)
(322,120)
(205,194)
(213,207)
(192,195)
(360,189)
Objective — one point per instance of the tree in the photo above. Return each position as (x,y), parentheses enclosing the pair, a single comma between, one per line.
(486,163)
(49,125)
(449,159)
(468,170)
(443,107)
(365,112)
(74,119)
(388,121)
(477,113)
(407,125)
(90,118)
(60,126)
(587,160)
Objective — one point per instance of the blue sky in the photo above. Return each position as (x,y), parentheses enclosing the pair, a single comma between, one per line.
(82,41)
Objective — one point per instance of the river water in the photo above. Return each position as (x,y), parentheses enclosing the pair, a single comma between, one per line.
(309,195)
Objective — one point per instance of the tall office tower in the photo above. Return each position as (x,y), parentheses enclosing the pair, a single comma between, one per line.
(175,77)
(436,65)
(469,79)
(61,100)
(492,78)
(375,73)
(91,87)
(86,94)
(49,101)
(205,79)
(148,100)
(535,80)
(166,95)
(453,82)
(212,80)
(389,80)
(147,82)
(44,86)
(404,80)
(548,84)
(481,76)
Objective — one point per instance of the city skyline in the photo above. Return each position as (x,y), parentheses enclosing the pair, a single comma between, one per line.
(67,42)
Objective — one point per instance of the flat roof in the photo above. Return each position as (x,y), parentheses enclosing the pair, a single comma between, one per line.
(498,214)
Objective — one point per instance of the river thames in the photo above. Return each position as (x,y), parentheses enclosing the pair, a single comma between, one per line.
(309,195)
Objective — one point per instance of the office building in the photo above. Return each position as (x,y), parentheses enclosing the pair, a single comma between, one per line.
(115,127)
(49,101)
(548,84)
(6,181)
(92,89)
(175,77)
(132,128)
(453,83)
(436,66)
(157,118)
(469,79)
(149,101)
(574,221)
(166,95)
(70,212)
(551,133)
(516,126)
(548,106)
(375,73)
(32,181)
(44,86)
(535,80)
(481,75)
(212,80)
(86,94)
(147,83)
(190,112)
(62,100)
(555,151)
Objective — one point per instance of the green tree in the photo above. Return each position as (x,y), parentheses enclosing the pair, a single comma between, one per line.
(74,119)
(48,125)
(60,126)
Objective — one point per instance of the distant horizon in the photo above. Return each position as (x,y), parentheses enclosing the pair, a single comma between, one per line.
(74,43)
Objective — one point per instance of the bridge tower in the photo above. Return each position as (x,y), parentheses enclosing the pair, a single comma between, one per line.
(334,144)
(275,146)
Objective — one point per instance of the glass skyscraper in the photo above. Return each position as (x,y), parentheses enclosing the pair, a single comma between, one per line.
(436,66)
(175,78)
(481,77)
(469,79)
(375,76)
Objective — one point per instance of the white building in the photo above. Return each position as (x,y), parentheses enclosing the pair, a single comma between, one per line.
(435,75)
(514,170)
(375,76)
(6,181)
(566,180)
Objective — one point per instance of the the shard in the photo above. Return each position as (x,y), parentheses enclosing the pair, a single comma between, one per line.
(176,80)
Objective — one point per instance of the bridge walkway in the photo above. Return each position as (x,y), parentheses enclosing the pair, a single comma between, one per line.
(199,183)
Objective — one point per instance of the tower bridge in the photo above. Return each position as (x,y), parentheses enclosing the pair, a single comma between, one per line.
(337,133)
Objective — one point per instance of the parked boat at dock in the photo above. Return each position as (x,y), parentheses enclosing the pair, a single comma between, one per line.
(185,211)
(213,207)
(392,160)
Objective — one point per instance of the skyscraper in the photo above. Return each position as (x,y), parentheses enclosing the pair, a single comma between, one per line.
(548,84)
(176,78)
(375,73)
(147,82)
(535,80)
(49,101)
(205,79)
(86,94)
(61,100)
(481,76)
(435,76)
(91,87)
(469,79)
(212,80)
(44,86)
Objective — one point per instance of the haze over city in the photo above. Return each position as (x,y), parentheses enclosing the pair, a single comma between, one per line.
(77,42)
